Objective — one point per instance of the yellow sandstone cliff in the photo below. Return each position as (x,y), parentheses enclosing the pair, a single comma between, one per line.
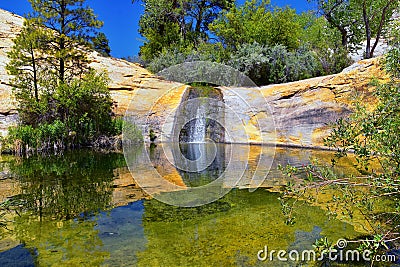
(300,110)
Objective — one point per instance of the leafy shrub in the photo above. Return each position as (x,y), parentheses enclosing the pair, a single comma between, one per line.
(132,134)
(117,126)
(393,62)
(373,134)
(175,55)
(266,65)
(44,136)
(168,57)
(85,106)
(73,114)
(24,133)
(325,42)
(332,60)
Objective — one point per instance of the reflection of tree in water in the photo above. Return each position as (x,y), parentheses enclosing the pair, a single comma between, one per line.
(61,243)
(156,211)
(64,187)
(230,231)
(58,194)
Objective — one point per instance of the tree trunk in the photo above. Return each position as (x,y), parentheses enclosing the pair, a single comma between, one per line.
(381,24)
(183,23)
(62,42)
(342,29)
(368,53)
(35,79)
(200,17)
(345,39)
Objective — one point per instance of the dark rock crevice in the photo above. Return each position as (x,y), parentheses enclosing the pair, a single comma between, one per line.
(200,117)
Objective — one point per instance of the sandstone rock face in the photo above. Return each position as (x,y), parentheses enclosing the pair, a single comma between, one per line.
(303,110)
(296,113)
(10,25)
(125,77)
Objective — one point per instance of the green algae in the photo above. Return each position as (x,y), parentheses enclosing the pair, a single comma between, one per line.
(230,237)
(65,230)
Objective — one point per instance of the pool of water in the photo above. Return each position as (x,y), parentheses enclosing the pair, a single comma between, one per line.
(84,208)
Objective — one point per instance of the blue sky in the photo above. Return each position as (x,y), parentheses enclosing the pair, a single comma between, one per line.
(121,19)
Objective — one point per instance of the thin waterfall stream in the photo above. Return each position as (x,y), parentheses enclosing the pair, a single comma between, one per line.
(200,116)
(197,132)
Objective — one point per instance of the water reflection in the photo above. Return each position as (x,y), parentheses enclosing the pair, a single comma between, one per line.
(209,162)
(172,167)
(122,234)
(60,242)
(67,186)
(17,256)
(68,214)
(229,232)
(58,195)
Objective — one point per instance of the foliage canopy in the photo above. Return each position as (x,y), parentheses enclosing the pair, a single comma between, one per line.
(61,100)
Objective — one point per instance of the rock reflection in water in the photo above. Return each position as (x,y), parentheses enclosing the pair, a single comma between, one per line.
(209,163)
(67,214)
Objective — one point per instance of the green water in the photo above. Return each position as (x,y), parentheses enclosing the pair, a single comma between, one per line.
(81,209)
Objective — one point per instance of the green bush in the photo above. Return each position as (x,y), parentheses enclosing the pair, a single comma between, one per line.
(73,114)
(24,133)
(393,62)
(374,134)
(44,136)
(265,65)
(132,134)
(85,106)
(175,55)
(117,126)
(371,135)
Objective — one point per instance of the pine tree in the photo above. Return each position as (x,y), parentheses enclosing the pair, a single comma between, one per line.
(53,82)
(100,44)
(27,65)
(73,25)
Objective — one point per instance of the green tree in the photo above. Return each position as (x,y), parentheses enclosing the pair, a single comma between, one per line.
(243,24)
(100,43)
(179,23)
(325,42)
(359,20)
(29,69)
(160,26)
(203,13)
(340,15)
(285,28)
(376,15)
(256,21)
(23,54)
(57,92)
(73,25)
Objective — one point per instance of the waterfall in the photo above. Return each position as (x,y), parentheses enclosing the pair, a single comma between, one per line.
(198,129)
(199,119)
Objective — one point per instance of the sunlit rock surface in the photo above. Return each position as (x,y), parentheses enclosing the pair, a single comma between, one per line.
(10,25)
(300,111)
